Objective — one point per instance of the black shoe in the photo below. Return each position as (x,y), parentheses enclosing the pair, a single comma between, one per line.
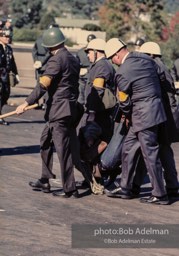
(155,200)
(73,194)
(3,122)
(113,187)
(173,192)
(120,193)
(39,186)
(82,184)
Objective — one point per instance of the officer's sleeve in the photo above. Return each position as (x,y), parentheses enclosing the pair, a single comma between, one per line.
(53,68)
(124,91)
(36,94)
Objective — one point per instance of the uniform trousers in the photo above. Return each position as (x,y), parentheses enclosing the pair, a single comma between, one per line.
(148,141)
(58,134)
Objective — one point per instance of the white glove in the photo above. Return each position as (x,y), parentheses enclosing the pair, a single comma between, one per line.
(17,79)
(37,64)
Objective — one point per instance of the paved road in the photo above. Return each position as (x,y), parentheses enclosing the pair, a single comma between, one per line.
(34,223)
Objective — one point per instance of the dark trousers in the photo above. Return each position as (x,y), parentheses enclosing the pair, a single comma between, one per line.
(4,94)
(168,164)
(147,140)
(59,134)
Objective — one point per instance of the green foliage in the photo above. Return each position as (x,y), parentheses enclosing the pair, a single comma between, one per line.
(121,18)
(170,49)
(26,13)
(91,27)
(25,34)
(46,20)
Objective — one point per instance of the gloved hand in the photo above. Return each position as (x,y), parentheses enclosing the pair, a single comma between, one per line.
(37,64)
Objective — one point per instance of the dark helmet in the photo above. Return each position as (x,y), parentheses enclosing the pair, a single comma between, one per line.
(53,25)
(139,41)
(52,37)
(90,37)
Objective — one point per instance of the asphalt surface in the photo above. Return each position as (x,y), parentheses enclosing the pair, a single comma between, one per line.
(39,224)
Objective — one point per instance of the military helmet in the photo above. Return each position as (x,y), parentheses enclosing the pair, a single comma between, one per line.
(52,37)
(97,44)
(150,48)
(113,46)
(90,37)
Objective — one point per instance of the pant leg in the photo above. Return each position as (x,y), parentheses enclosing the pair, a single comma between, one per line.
(140,172)
(46,151)
(61,136)
(150,150)
(6,90)
(168,164)
(129,157)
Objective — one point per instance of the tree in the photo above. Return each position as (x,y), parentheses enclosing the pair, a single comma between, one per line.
(27,13)
(169,45)
(121,18)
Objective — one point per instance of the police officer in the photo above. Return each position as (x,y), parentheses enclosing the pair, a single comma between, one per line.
(100,78)
(141,102)
(60,81)
(170,105)
(84,66)
(7,65)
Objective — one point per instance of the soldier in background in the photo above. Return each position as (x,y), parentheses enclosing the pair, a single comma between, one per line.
(7,66)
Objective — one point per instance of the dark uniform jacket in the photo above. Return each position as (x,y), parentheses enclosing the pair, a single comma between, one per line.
(60,79)
(101,76)
(169,100)
(175,70)
(2,68)
(101,69)
(8,62)
(139,92)
(7,65)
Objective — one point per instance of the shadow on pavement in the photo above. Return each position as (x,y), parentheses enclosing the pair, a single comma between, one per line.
(34,149)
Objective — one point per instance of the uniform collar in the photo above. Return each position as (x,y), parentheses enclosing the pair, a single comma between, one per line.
(124,58)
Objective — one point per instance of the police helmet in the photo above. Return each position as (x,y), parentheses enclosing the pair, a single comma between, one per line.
(52,37)
(113,46)
(90,37)
(139,41)
(97,44)
(53,25)
(150,48)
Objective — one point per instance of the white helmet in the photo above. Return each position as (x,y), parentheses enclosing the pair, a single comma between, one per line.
(97,44)
(150,48)
(113,46)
